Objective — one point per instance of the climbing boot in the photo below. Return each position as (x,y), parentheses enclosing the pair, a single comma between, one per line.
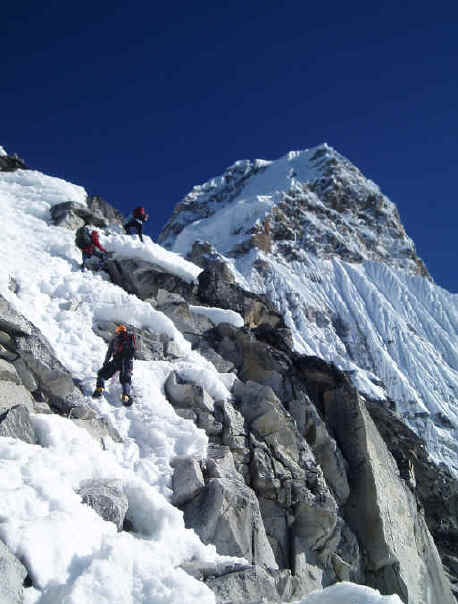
(126,400)
(98,392)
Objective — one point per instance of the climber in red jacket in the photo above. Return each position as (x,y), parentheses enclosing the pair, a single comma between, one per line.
(93,247)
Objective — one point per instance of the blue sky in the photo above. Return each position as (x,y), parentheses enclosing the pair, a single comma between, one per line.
(140,101)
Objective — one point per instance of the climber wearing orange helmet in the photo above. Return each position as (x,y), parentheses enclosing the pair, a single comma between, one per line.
(121,351)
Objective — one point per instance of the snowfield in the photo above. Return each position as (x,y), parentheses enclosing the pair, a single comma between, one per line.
(73,555)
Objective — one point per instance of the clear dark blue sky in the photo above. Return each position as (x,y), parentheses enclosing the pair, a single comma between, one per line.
(140,101)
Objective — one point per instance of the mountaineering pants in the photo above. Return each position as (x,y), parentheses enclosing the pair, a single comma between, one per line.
(125,368)
(87,255)
(135,224)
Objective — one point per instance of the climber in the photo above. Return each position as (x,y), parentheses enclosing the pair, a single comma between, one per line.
(135,220)
(121,351)
(88,242)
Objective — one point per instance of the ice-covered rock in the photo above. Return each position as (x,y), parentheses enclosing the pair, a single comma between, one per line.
(12,574)
(107,498)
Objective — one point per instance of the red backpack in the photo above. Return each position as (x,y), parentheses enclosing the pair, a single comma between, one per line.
(139,213)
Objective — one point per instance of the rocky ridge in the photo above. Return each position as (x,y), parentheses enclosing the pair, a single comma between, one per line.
(299,479)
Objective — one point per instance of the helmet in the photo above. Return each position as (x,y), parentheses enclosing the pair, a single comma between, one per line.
(120,328)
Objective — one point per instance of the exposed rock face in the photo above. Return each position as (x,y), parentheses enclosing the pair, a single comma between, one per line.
(301,439)
(24,341)
(202,201)
(401,556)
(298,479)
(321,204)
(99,206)
(15,423)
(145,279)
(187,480)
(10,163)
(72,215)
(435,488)
(12,574)
(107,498)
(255,309)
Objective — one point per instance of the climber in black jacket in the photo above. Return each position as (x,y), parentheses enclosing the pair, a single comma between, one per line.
(135,221)
(122,348)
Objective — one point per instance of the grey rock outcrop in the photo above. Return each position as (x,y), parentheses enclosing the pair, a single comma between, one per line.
(15,423)
(187,480)
(255,309)
(27,343)
(381,509)
(434,487)
(10,163)
(145,279)
(107,498)
(226,513)
(98,206)
(72,215)
(12,576)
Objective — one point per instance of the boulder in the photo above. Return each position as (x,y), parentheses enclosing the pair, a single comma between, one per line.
(145,279)
(254,360)
(72,215)
(187,480)
(191,325)
(12,394)
(30,345)
(25,375)
(250,586)
(8,372)
(13,574)
(15,423)
(215,290)
(107,498)
(187,395)
(209,353)
(226,513)
(220,463)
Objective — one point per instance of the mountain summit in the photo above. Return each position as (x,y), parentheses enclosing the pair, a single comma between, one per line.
(312,201)
(330,252)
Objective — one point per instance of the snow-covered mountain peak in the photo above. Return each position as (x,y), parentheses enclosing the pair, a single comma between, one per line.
(321,240)
(314,201)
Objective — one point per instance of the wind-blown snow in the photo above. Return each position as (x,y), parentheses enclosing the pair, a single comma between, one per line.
(72,554)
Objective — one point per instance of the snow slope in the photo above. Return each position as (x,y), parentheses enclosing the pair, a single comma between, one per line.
(393,330)
(84,559)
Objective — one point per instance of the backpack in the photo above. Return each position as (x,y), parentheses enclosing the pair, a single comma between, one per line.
(139,213)
(83,238)
(126,345)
